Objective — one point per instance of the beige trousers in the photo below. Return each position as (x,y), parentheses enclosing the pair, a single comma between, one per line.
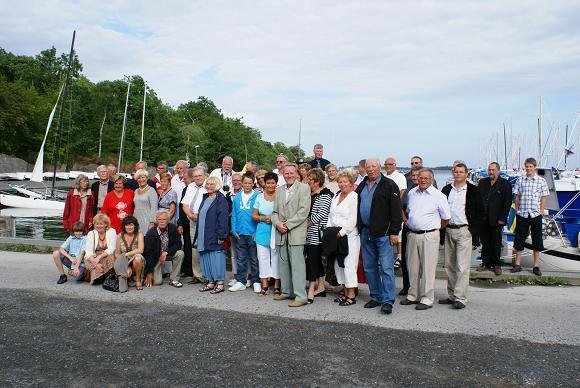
(458,248)
(196,268)
(422,255)
(177,259)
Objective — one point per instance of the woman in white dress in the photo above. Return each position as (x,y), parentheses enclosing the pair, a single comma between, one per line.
(343,214)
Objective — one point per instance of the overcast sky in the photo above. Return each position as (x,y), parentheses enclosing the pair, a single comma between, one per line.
(368,78)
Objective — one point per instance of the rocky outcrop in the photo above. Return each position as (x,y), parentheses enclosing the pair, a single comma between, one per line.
(12,164)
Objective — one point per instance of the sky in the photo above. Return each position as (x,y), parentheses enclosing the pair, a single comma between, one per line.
(366,78)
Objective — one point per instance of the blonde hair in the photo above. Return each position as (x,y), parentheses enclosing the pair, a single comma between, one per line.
(141,172)
(101,217)
(347,173)
(214,181)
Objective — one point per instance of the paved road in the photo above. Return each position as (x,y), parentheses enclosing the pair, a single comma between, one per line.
(49,340)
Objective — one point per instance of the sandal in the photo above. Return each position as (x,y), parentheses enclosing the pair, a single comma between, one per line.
(347,302)
(277,291)
(176,284)
(217,289)
(207,287)
(310,301)
(139,286)
(264,292)
(340,299)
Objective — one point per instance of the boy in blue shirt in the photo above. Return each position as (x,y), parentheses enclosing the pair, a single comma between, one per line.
(71,254)
(244,230)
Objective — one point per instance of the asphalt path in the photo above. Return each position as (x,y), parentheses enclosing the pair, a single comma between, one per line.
(50,340)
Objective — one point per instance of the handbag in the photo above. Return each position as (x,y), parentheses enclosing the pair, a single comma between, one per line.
(111,283)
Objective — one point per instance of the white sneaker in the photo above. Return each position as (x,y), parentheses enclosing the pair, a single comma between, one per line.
(248,284)
(232,282)
(237,287)
(257,288)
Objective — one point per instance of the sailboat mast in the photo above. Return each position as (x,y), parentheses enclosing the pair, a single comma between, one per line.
(505,147)
(143,121)
(121,148)
(540,135)
(299,136)
(101,134)
(61,113)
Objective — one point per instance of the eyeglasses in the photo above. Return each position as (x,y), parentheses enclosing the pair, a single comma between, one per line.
(415,162)
(389,164)
(422,178)
(279,161)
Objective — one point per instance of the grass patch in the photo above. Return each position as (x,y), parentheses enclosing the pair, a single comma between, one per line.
(25,248)
(523,280)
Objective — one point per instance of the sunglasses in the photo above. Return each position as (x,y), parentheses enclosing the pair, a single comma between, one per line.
(415,162)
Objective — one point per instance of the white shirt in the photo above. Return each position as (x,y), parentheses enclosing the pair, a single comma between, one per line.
(226,179)
(399,180)
(177,184)
(456,202)
(192,188)
(93,239)
(281,180)
(344,214)
(426,209)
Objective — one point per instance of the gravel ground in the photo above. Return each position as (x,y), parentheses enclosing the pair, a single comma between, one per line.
(50,340)
(531,313)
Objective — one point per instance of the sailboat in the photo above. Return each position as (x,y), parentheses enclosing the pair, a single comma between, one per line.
(31,199)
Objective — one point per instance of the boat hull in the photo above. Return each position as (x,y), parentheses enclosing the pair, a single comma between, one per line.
(30,203)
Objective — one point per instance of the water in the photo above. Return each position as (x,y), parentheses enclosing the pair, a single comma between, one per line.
(35,224)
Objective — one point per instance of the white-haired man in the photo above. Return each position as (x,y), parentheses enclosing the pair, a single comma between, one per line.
(225,174)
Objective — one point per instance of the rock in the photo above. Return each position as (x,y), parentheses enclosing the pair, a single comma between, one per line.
(13,164)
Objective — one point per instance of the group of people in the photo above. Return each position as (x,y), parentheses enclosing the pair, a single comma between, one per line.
(292,230)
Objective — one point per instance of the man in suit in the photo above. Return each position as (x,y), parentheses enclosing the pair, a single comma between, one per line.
(319,161)
(101,187)
(184,227)
(190,203)
(496,194)
(466,214)
(290,215)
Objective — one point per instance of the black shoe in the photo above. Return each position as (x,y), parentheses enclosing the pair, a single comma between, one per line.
(407,302)
(166,275)
(62,279)
(422,306)
(371,304)
(404,292)
(537,271)
(194,281)
(387,308)
(458,305)
(321,294)
(445,301)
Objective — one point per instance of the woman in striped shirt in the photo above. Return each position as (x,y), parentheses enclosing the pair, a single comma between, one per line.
(319,209)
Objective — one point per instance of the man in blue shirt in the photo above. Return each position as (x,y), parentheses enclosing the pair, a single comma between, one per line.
(379,223)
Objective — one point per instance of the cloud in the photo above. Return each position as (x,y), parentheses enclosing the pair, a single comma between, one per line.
(363,75)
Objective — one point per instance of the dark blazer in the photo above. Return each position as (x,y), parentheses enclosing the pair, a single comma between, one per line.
(133,185)
(323,163)
(95,190)
(386,215)
(334,248)
(473,208)
(182,220)
(497,199)
(152,249)
(217,222)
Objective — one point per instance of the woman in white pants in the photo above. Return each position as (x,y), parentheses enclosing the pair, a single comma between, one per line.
(268,264)
(343,214)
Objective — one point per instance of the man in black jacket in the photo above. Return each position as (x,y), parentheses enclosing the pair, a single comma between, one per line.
(379,222)
(184,228)
(162,243)
(496,194)
(101,187)
(319,161)
(466,214)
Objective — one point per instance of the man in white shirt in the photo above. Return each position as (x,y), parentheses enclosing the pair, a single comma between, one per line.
(467,213)
(428,211)
(401,182)
(191,202)
(177,181)
(225,174)
(281,161)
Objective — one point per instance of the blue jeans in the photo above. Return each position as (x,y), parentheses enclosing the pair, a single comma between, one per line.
(246,258)
(377,254)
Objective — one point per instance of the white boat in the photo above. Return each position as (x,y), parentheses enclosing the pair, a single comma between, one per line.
(30,203)
(20,212)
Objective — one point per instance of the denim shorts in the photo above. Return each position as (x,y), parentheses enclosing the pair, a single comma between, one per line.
(67,263)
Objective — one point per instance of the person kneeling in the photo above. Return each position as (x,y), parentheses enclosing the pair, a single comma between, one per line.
(129,254)
(70,254)
(162,243)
